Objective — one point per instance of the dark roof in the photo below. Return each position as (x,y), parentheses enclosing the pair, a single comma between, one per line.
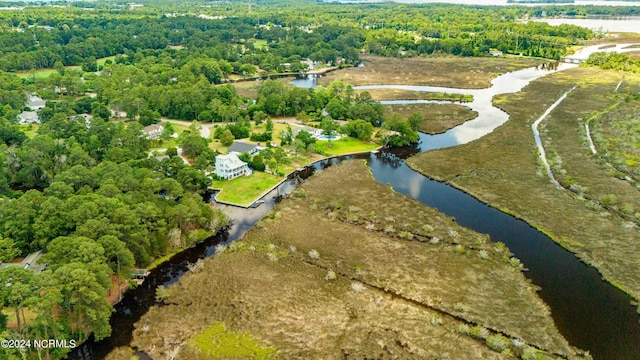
(241,147)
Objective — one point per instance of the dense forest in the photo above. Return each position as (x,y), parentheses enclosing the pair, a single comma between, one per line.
(88,193)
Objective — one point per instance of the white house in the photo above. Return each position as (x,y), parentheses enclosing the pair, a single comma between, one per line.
(230,167)
(153,131)
(28,117)
(34,102)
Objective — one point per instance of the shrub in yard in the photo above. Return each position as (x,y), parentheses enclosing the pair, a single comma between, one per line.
(483,254)
(314,254)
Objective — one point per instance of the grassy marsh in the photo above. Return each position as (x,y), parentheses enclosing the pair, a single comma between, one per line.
(503,170)
(469,73)
(350,283)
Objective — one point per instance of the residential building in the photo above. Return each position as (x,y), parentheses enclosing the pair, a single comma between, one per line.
(230,167)
(153,131)
(242,147)
(34,102)
(28,117)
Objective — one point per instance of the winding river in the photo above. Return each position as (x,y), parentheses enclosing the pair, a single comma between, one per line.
(590,313)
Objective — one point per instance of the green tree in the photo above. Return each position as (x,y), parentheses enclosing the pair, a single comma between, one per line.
(329,127)
(227,138)
(8,251)
(306,139)
(16,290)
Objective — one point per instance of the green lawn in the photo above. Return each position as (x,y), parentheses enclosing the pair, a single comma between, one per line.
(260,44)
(344,146)
(30,130)
(43,73)
(245,189)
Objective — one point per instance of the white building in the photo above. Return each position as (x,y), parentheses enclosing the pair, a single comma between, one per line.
(153,131)
(28,117)
(34,102)
(230,167)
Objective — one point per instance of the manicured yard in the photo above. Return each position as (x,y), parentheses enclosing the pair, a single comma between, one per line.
(344,146)
(245,189)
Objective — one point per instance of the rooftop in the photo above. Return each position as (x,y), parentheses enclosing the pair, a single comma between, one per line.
(241,147)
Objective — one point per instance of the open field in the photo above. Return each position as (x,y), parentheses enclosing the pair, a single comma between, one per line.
(344,145)
(502,169)
(468,73)
(351,284)
(398,94)
(437,118)
(635,55)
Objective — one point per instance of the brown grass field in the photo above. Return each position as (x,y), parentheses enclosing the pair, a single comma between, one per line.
(502,169)
(438,118)
(409,283)
(468,73)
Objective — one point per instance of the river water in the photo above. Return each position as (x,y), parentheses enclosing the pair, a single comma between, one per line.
(589,312)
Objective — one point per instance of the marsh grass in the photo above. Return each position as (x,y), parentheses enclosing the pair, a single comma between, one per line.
(290,305)
(217,342)
(502,169)
(469,73)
